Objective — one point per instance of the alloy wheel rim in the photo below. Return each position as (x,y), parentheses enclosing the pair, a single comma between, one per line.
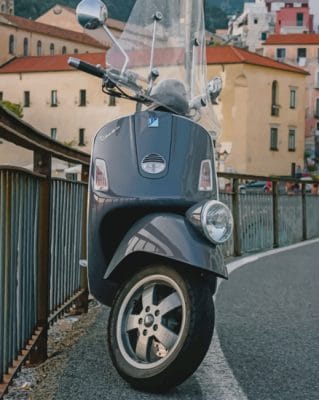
(151,321)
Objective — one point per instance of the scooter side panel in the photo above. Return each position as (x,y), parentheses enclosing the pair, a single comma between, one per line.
(170,236)
(123,144)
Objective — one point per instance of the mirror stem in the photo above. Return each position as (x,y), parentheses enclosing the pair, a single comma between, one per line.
(152,55)
(114,40)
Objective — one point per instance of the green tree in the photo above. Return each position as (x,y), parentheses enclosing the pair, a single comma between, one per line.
(16,109)
(119,9)
(215,18)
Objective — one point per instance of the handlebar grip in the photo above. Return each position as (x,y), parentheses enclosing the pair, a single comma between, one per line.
(86,67)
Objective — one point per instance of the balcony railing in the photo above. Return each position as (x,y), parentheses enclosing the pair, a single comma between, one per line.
(275,110)
(286,29)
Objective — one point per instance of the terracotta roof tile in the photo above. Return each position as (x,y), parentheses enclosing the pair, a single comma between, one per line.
(300,38)
(236,55)
(141,58)
(50,30)
(215,55)
(49,63)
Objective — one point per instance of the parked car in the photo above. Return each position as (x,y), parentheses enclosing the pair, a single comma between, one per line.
(257,186)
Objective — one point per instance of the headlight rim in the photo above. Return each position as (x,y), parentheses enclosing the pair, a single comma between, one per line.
(206,206)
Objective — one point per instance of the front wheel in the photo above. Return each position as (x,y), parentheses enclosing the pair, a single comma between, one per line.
(160,327)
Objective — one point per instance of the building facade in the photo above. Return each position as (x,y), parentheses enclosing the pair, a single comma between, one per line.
(261,109)
(302,50)
(7,6)
(261,112)
(65,17)
(314,9)
(276,5)
(66,104)
(21,37)
(294,20)
(265,17)
(251,28)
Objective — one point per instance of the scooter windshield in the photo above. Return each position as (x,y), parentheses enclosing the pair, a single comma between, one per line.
(164,43)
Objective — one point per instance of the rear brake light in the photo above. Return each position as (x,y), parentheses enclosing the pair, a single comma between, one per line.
(100,175)
(205,177)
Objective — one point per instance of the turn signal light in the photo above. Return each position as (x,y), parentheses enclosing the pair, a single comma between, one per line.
(101,182)
(205,176)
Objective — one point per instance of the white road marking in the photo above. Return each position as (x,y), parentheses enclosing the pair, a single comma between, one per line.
(215,368)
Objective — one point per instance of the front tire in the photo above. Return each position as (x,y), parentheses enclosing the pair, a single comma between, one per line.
(160,327)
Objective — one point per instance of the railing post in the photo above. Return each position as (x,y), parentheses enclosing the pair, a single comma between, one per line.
(5,357)
(82,305)
(236,216)
(275,208)
(42,165)
(304,212)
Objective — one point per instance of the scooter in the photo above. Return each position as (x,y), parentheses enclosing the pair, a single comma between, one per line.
(154,221)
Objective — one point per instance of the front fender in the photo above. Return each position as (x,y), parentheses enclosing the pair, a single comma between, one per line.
(173,237)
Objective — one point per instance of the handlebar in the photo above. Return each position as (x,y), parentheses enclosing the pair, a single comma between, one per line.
(114,78)
(111,75)
(86,67)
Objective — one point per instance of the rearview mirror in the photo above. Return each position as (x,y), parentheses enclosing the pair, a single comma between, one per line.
(91,14)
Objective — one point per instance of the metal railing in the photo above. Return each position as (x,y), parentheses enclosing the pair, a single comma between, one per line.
(42,239)
(264,220)
(66,225)
(19,210)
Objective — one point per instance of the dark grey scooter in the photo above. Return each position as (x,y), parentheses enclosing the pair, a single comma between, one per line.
(154,222)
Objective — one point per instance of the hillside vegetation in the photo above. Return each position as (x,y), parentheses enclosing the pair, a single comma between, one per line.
(216,11)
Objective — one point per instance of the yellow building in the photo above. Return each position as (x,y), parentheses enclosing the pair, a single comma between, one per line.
(262,112)
(21,37)
(65,17)
(301,50)
(64,103)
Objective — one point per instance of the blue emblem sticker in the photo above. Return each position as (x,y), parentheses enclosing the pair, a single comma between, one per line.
(153,121)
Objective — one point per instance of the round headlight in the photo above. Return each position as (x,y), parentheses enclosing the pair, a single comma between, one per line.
(217,221)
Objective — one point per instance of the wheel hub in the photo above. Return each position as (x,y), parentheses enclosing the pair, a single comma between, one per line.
(149,320)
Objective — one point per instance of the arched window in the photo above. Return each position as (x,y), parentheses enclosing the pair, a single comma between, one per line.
(2,8)
(39,48)
(51,49)
(274,99)
(76,51)
(25,47)
(11,44)
(241,81)
(63,50)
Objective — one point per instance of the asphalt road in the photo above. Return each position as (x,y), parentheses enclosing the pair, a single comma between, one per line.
(268,325)
(266,343)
